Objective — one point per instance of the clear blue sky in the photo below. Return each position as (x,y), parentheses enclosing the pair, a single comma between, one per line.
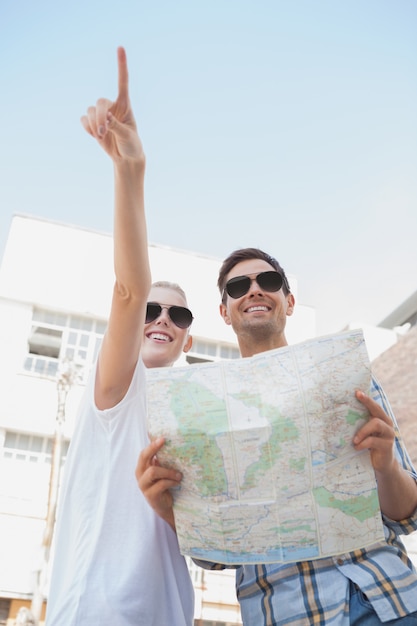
(288,125)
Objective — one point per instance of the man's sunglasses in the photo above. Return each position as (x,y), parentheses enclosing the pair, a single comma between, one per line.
(180,315)
(240,285)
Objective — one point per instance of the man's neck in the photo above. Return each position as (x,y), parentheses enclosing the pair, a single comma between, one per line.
(250,348)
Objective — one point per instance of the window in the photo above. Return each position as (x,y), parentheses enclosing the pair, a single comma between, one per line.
(203,351)
(55,337)
(196,572)
(4,610)
(45,341)
(25,467)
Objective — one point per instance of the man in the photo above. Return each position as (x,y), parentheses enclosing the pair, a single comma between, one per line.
(116,563)
(365,587)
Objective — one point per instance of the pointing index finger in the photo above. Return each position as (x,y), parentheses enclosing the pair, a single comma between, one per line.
(123,74)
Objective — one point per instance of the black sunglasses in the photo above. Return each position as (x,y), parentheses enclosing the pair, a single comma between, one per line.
(180,315)
(238,286)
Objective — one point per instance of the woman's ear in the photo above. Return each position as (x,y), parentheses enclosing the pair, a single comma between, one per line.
(188,344)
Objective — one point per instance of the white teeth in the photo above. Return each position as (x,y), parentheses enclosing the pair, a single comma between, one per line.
(257,308)
(159,336)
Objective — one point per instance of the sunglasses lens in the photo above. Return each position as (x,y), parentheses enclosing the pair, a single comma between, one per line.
(181,316)
(237,287)
(270,281)
(152,312)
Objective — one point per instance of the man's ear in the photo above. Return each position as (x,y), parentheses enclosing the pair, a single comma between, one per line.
(224,313)
(188,344)
(290,304)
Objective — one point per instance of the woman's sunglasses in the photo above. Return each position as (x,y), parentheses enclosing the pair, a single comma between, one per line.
(180,315)
(240,285)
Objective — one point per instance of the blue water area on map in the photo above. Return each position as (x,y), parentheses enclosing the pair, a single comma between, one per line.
(284,555)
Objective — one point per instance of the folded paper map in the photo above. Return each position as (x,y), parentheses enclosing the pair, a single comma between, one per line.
(265,448)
